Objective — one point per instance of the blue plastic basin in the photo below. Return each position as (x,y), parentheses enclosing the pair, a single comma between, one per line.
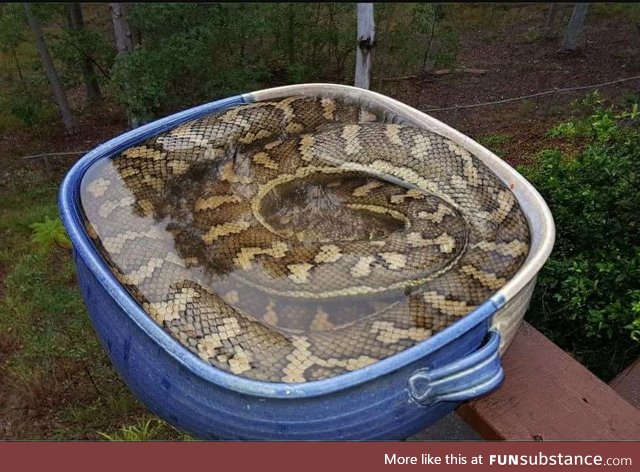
(390,399)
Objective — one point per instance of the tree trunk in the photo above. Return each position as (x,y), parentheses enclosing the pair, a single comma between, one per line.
(56,85)
(19,69)
(427,62)
(134,32)
(573,34)
(76,24)
(124,44)
(550,23)
(121,28)
(291,36)
(364,53)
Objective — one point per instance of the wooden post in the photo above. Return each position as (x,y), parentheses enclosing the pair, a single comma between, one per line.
(364,52)
(550,22)
(573,35)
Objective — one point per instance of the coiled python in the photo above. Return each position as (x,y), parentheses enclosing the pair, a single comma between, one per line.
(294,240)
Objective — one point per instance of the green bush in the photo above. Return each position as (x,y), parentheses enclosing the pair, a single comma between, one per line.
(588,294)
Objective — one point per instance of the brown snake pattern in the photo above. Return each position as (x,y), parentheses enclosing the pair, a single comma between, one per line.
(295,240)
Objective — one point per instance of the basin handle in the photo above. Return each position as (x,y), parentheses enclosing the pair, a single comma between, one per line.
(464,379)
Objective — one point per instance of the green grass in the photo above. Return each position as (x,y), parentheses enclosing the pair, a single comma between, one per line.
(53,365)
(494,142)
(145,430)
(629,11)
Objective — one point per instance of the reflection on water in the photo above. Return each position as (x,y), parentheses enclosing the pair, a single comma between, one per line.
(307,213)
(170,219)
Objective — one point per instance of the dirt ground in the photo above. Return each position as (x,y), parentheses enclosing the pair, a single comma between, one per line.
(517,60)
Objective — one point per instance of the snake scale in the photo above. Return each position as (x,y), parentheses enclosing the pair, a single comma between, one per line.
(298,239)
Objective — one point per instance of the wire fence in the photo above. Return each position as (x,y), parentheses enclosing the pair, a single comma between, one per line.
(534,95)
(455,108)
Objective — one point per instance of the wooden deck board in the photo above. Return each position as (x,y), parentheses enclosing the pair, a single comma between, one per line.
(627,384)
(547,395)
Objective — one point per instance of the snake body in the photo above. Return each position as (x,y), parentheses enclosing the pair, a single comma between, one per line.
(294,240)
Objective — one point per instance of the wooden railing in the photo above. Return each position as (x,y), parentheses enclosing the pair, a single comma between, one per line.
(548,395)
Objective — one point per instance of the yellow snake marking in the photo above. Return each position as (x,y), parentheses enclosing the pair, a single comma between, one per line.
(137,276)
(147,207)
(405,173)
(366,188)
(251,137)
(244,258)
(181,139)
(328,253)
(264,159)
(488,280)
(179,167)
(350,135)
(440,302)
(421,145)
(396,261)
(285,106)
(411,193)
(302,358)
(98,187)
(270,315)
(393,135)
(144,152)
(215,201)
(438,216)
(299,272)
(512,249)
(170,310)
(506,200)
(224,229)
(362,267)
(157,183)
(447,243)
(328,109)
(109,207)
(381,210)
(173,258)
(294,128)
(306,145)
(231,297)
(387,333)
(273,144)
(129,172)
(209,346)
(321,322)
(470,172)
(458,182)
(115,244)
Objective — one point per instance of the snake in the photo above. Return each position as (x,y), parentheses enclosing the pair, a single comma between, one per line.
(298,239)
